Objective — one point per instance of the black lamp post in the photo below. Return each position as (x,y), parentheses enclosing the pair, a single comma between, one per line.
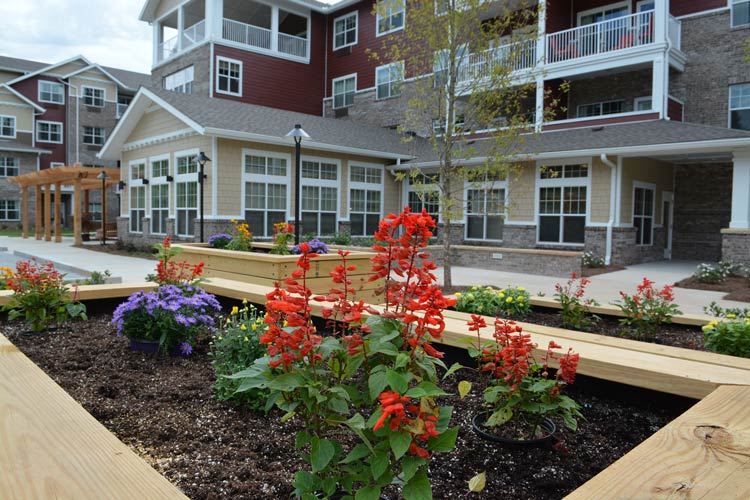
(201,160)
(298,134)
(103,176)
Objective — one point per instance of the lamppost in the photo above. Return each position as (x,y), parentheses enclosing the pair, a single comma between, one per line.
(103,176)
(201,160)
(298,134)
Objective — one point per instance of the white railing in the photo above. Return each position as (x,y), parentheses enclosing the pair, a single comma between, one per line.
(194,34)
(168,48)
(675,32)
(599,38)
(121,108)
(246,34)
(292,45)
(514,56)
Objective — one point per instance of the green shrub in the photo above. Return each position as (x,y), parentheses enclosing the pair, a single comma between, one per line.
(589,259)
(728,337)
(234,348)
(510,301)
(716,310)
(718,273)
(342,239)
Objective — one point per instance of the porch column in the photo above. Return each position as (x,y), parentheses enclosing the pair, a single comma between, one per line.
(38,227)
(58,215)
(741,191)
(541,32)
(214,19)
(659,83)
(48,212)
(180,27)
(660,21)
(77,239)
(539,115)
(156,42)
(274,28)
(25,212)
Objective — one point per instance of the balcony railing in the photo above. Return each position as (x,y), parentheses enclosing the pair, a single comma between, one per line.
(168,48)
(246,34)
(292,45)
(194,34)
(481,65)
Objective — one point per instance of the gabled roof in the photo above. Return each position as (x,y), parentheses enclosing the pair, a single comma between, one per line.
(134,80)
(23,97)
(225,118)
(49,68)
(20,65)
(148,12)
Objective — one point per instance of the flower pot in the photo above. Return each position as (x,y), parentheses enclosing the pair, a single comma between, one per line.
(338,495)
(547,425)
(152,347)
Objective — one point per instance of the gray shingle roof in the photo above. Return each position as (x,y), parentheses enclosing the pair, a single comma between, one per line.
(21,65)
(131,79)
(253,119)
(20,147)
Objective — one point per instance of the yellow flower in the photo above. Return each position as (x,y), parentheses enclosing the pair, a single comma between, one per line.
(235,310)
(458,294)
(220,337)
(228,321)
(509,300)
(501,295)
(521,289)
(254,327)
(731,316)
(520,299)
(245,339)
(244,302)
(479,308)
(243,327)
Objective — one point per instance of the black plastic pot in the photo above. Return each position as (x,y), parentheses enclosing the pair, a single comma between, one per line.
(341,494)
(152,347)
(547,425)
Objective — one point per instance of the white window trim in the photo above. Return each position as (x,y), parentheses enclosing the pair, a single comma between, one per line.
(220,59)
(574,181)
(378,20)
(640,4)
(364,185)
(390,82)
(652,187)
(92,87)
(611,6)
(355,14)
(268,179)
(729,104)
(62,132)
(17,209)
(485,185)
(137,184)
(16,165)
(56,84)
(158,181)
(408,187)
(333,88)
(601,109)
(189,177)
(323,183)
(732,3)
(15,127)
(189,69)
(103,136)
(639,100)
(55,164)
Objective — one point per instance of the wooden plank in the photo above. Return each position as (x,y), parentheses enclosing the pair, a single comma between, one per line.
(94,292)
(25,212)
(77,214)
(38,219)
(52,448)
(702,454)
(58,213)
(48,212)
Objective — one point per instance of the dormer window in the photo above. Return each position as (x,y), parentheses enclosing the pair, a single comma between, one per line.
(345,31)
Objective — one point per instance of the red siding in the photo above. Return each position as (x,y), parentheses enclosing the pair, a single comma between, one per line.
(602,121)
(684,7)
(674,110)
(558,15)
(54,113)
(281,83)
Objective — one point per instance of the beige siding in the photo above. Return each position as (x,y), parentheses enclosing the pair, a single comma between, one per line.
(154,124)
(521,186)
(165,6)
(110,88)
(6,76)
(600,191)
(24,115)
(649,171)
(69,68)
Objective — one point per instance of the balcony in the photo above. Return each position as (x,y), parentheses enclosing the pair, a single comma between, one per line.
(190,37)
(262,38)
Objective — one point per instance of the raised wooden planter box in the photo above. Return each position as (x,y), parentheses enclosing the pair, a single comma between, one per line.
(266,269)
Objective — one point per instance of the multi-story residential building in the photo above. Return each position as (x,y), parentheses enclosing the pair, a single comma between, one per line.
(650,159)
(61,114)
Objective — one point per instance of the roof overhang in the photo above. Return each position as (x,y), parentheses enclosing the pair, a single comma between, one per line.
(96,67)
(22,149)
(23,98)
(49,68)
(148,12)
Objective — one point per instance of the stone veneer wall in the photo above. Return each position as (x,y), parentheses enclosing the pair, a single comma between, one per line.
(11,191)
(199,58)
(546,262)
(735,246)
(626,86)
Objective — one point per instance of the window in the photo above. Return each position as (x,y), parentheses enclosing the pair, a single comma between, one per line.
(423,194)
(344,89)
(562,203)
(8,166)
(180,81)
(320,188)
(49,132)
(95,211)
(187,165)
(93,136)
(137,171)
(739,106)
(600,108)
(137,208)
(229,77)
(51,92)
(186,193)
(266,180)
(390,16)
(643,213)
(345,31)
(93,96)
(485,206)
(159,168)
(365,199)
(642,103)
(8,126)
(55,164)
(9,210)
(388,80)
(159,195)
(740,13)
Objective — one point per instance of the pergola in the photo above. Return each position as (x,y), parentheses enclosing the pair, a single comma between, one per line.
(83,179)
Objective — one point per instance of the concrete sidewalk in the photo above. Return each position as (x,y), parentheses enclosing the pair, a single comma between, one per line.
(605,288)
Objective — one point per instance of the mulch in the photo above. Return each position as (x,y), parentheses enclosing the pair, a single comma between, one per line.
(736,287)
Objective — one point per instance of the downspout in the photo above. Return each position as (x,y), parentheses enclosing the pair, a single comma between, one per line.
(612,206)
(78,115)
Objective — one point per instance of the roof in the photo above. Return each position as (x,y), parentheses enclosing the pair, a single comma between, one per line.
(20,147)
(148,12)
(131,79)
(226,118)
(20,65)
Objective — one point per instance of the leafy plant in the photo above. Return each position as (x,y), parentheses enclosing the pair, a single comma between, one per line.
(589,259)
(510,301)
(315,246)
(716,310)
(169,272)
(283,234)
(342,239)
(718,273)
(648,308)
(574,308)
(6,275)
(220,240)
(40,296)
(96,278)
(242,238)
(728,337)
(235,346)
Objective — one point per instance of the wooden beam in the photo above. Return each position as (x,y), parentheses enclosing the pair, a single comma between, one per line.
(38,204)
(77,238)
(58,213)
(48,212)
(25,211)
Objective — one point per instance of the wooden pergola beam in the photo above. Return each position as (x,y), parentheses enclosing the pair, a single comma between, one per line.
(48,212)
(58,214)
(77,226)
(25,212)
(38,227)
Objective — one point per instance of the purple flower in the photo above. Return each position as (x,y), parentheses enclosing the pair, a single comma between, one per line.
(316,246)
(220,240)
(186,349)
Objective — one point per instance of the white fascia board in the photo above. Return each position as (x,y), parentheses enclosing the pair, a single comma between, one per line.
(49,68)
(24,150)
(23,98)
(98,68)
(316,146)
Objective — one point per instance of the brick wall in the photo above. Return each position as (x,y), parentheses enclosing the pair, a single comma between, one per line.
(736,246)
(546,262)
(199,58)
(11,191)
(89,116)
(622,86)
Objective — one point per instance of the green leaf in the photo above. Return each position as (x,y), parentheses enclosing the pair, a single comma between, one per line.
(338,405)
(402,360)
(302,439)
(409,467)
(368,493)
(378,464)
(453,369)
(377,383)
(357,422)
(303,480)
(570,422)
(359,451)
(444,418)
(288,415)
(500,417)
(425,390)
(464,387)
(286,382)
(400,442)
(445,442)
(478,482)
(418,488)
(321,454)
(397,381)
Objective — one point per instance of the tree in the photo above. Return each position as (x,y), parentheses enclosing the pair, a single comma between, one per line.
(470,88)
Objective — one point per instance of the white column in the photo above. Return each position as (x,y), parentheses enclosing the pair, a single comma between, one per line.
(156,37)
(661,14)
(741,191)
(541,32)
(539,116)
(214,19)
(659,85)
(180,27)
(275,29)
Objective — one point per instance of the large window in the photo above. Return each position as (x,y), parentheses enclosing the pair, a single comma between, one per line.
(485,206)
(643,213)
(137,208)
(739,106)
(320,188)
(229,77)
(344,89)
(740,12)
(266,181)
(600,108)
(93,136)
(9,210)
(93,96)
(365,199)
(51,92)
(180,81)
(49,132)
(186,194)
(8,126)
(563,203)
(390,16)
(8,166)
(159,196)
(423,194)
(345,31)
(389,79)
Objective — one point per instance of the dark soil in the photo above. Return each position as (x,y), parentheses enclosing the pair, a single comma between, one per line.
(736,287)
(163,409)
(587,272)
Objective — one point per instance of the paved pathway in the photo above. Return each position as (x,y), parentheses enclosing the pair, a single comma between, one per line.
(604,288)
